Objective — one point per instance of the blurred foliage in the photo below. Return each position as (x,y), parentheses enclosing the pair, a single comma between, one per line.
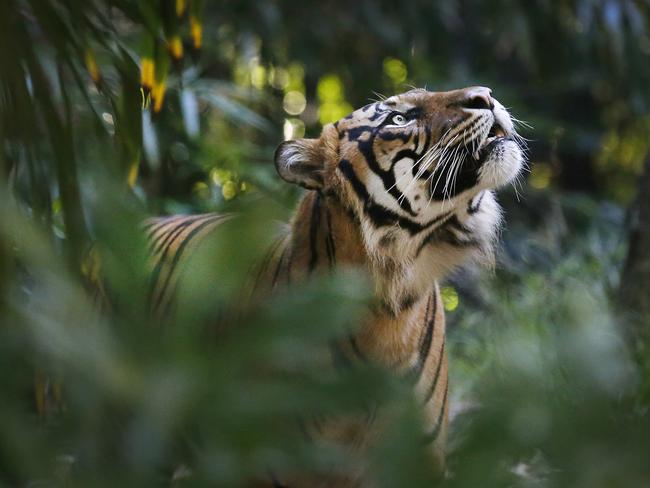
(113,110)
(542,374)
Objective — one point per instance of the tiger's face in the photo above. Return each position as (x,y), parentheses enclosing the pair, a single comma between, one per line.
(416,169)
(415,153)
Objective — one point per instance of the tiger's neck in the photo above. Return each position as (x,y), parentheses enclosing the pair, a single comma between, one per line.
(325,235)
(409,341)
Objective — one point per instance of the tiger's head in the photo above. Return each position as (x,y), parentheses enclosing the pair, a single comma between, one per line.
(417,171)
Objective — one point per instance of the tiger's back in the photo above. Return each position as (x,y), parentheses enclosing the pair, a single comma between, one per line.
(171,242)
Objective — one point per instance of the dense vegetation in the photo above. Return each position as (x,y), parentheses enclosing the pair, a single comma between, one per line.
(114,110)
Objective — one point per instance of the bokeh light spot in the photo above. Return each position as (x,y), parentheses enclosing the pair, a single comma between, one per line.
(294,103)
(540,176)
(395,70)
(450,298)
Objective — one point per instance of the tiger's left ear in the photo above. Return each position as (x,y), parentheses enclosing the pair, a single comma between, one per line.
(299,162)
(305,161)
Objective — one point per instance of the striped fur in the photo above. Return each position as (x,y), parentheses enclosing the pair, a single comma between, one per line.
(325,235)
(170,240)
(403,188)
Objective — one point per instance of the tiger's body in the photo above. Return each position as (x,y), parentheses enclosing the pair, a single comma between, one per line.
(410,342)
(402,188)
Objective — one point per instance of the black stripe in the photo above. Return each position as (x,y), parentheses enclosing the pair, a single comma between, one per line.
(413,113)
(164,249)
(476,133)
(266,262)
(471,129)
(443,234)
(405,153)
(391,136)
(401,200)
(377,114)
(207,220)
(416,167)
(407,301)
(415,372)
(276,274)
(156,246)
(425,345)
(179,252)
(183,220)
(289,264)
(151,226)
(460,129)
(166,238)
(313,232)
(395,192)
(460,227)
(433,435)
(427,140)
(448,237)
(358,187)
(366,147)
(473,208)
(432,388)
(357,350)
(380,215)
(331,248)
(452,239)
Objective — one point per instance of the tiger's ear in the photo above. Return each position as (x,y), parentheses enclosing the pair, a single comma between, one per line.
(302,162)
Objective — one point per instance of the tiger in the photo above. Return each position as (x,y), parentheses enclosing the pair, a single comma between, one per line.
(404,188)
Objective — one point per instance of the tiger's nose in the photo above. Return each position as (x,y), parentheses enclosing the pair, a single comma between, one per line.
(478,97)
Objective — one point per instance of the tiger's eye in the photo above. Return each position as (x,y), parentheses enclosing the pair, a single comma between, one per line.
(399,119)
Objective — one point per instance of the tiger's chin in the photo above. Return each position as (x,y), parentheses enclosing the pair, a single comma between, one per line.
(502,160)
